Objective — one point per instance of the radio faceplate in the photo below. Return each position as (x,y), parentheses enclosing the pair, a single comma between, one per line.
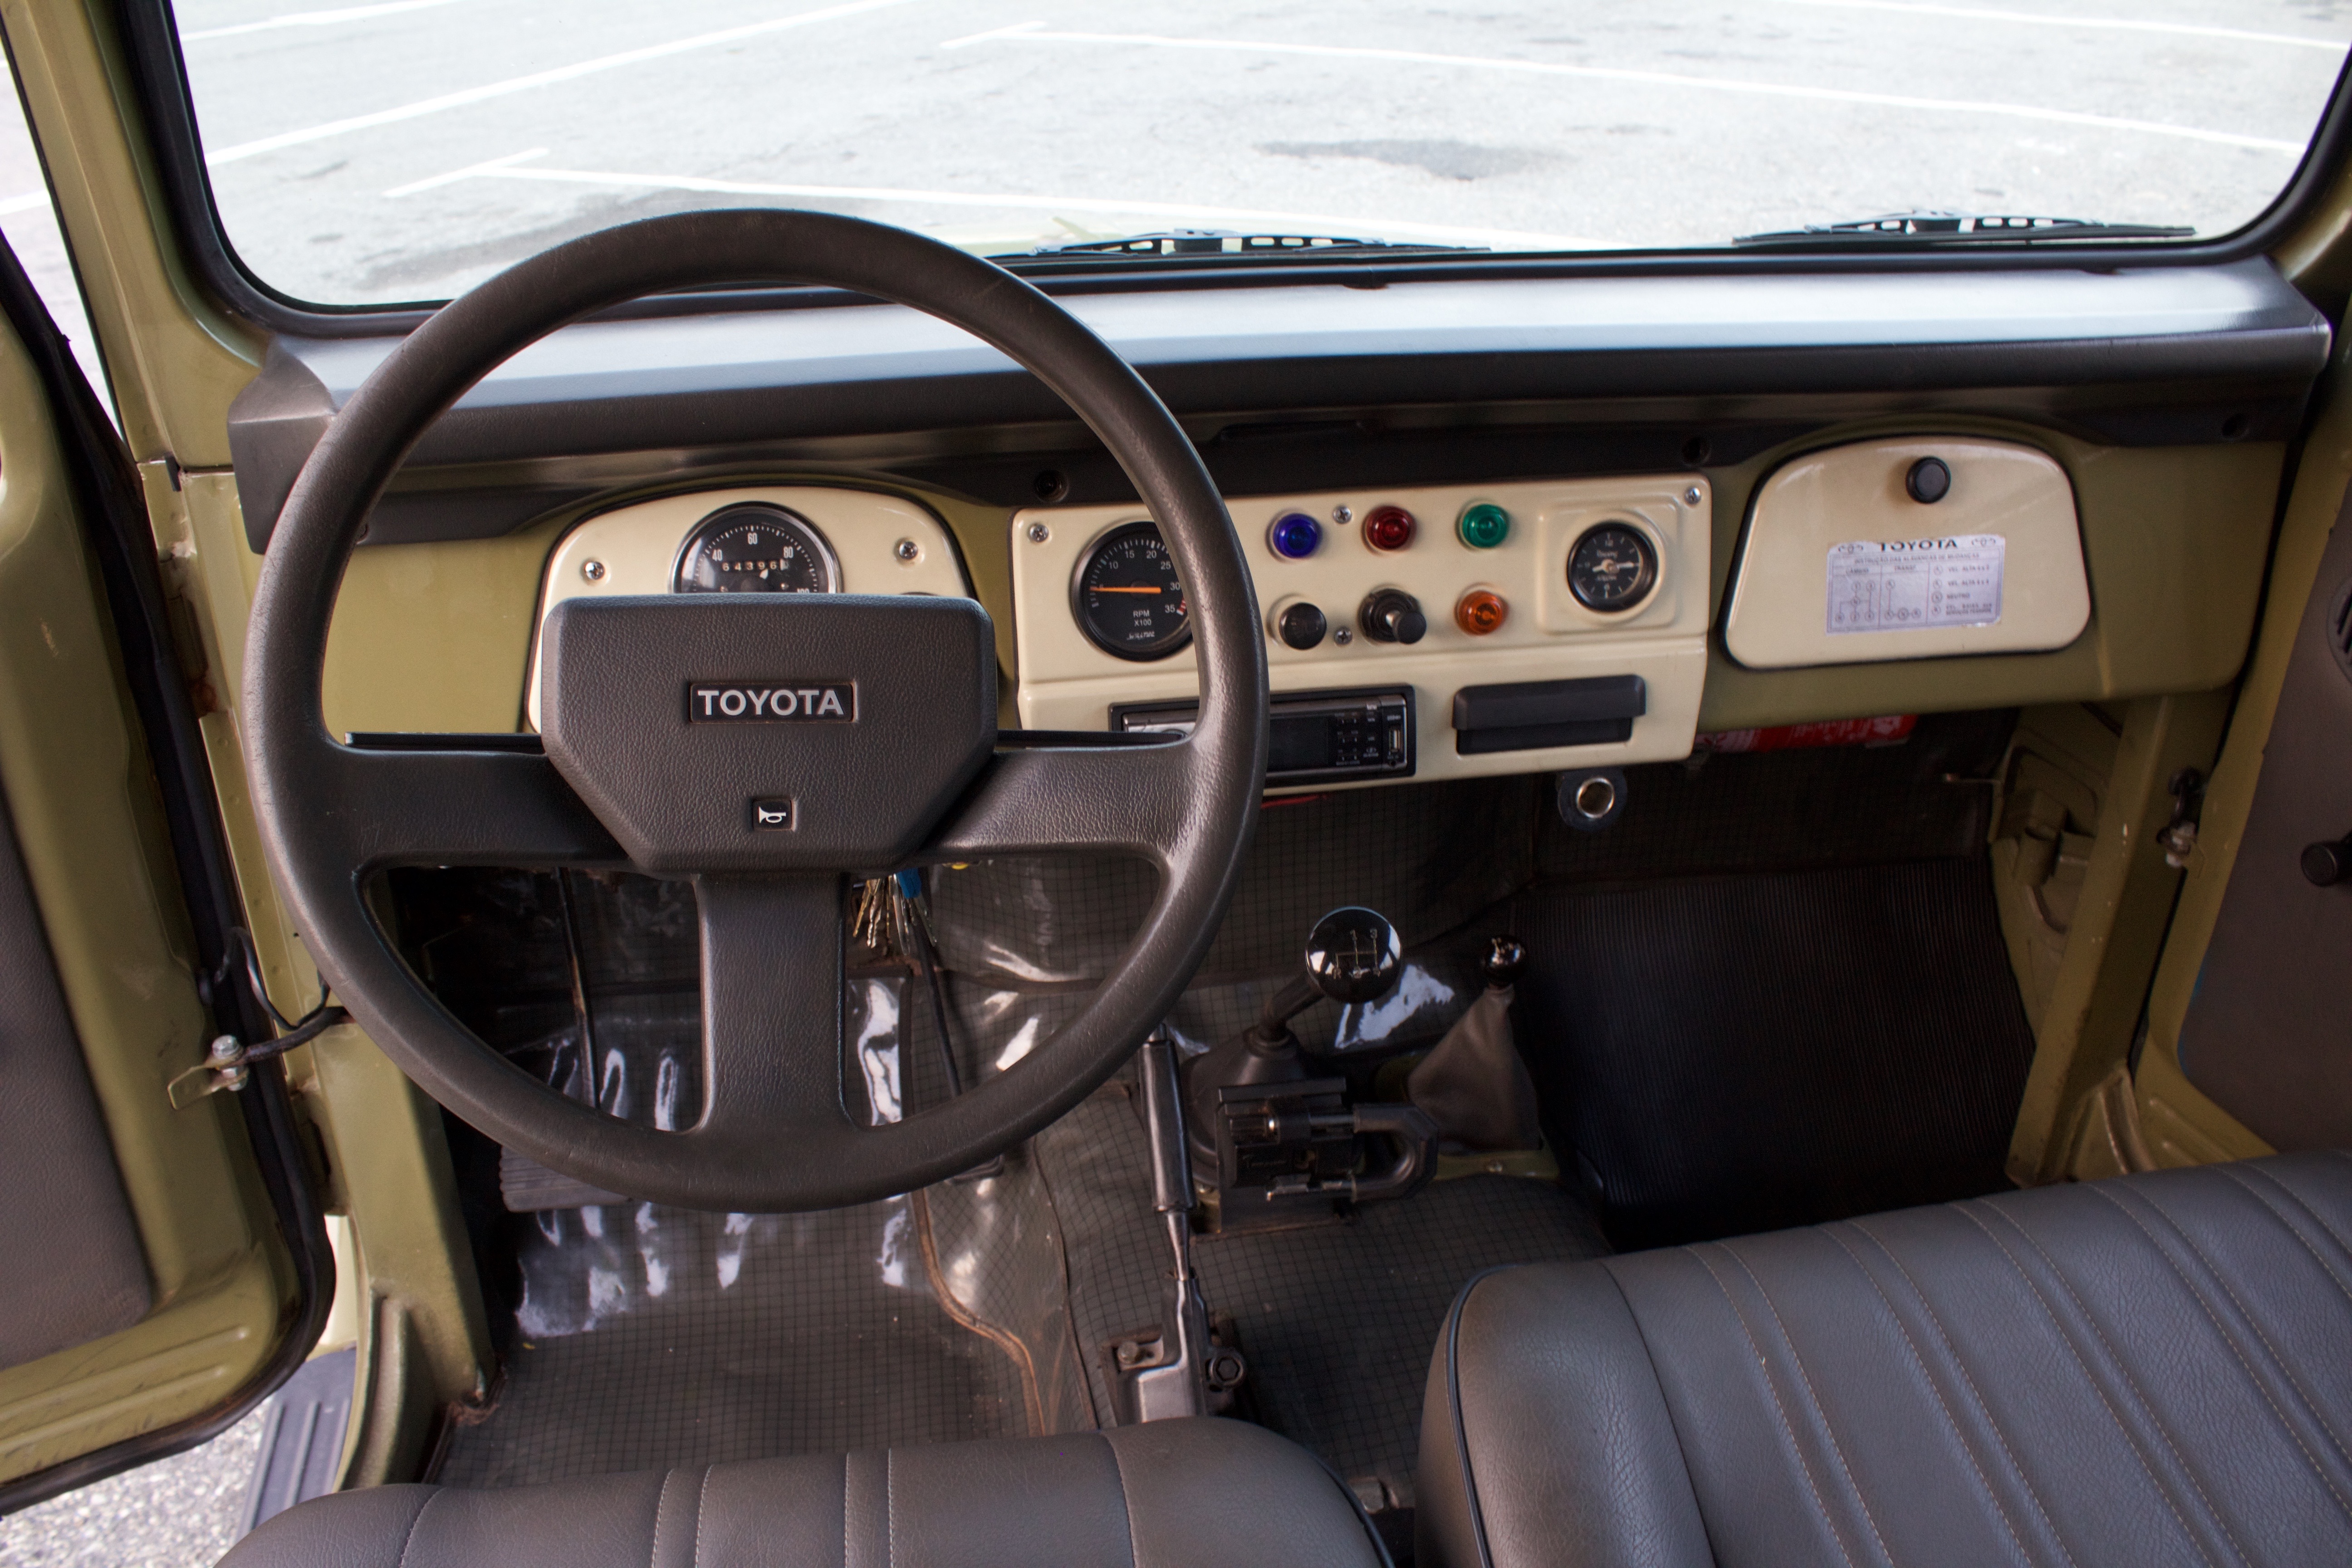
(1318,737)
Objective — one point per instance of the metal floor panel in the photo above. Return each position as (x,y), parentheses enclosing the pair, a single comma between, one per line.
(1337,1321)
(653,1336)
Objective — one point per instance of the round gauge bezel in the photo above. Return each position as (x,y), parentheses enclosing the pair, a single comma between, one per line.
(1646,584)
(1086,558)
(822,547)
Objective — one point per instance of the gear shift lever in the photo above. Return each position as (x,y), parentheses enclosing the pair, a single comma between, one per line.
(1352,956)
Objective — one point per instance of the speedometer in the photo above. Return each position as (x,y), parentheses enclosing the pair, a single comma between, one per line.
(756,548)
(1127,597)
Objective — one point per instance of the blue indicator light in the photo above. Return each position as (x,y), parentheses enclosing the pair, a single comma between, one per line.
(1295,536)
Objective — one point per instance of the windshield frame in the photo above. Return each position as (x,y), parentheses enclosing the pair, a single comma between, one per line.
(150,46)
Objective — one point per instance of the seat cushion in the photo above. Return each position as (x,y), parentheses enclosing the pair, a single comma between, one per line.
(2155,1369)
(1163,1495)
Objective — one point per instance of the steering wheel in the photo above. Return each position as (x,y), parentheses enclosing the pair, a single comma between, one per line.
(768,815)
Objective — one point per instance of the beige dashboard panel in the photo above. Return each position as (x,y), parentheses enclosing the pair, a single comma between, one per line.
(1069,683)
(634,548)
(1843,567)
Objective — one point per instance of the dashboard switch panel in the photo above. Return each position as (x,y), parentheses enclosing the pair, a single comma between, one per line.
(1489,615)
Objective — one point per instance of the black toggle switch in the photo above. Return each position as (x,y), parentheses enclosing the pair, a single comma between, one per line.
(2327,864)
(1391,614)
(1301,626)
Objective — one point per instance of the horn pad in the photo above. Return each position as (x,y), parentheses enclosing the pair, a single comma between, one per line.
(775,731)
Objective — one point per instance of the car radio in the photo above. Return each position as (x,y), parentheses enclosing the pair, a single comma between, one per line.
(1318,737)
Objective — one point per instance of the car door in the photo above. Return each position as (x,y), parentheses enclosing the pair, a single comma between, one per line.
(166,1266)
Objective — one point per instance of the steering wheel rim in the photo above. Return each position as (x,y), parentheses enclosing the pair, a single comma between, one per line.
(333,816)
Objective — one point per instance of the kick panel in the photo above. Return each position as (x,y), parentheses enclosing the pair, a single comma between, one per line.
(1426,592)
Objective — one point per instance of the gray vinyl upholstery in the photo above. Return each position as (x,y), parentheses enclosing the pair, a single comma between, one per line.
(2152,1369)
(1164,1495)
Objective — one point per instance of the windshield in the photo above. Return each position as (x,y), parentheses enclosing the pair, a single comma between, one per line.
(401,150)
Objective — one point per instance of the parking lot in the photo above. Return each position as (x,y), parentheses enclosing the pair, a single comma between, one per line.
(403,149)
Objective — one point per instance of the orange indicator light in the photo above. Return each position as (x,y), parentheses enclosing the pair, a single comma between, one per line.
(1480,611)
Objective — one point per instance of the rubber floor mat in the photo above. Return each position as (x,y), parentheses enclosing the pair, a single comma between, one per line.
(653,1336)
(1337,1321)
(1734,1055)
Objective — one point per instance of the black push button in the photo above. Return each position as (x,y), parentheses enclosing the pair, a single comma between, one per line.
(1929,480)
(1301,626)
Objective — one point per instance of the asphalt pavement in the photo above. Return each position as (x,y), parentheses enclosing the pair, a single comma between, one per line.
(405,149)
(179,1512)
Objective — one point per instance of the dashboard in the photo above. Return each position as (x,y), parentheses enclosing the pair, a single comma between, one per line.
(1543,524)
(1432,631)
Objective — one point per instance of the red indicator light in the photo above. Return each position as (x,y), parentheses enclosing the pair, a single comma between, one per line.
(1388,528)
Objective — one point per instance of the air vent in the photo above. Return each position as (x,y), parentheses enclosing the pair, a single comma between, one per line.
(2340,629)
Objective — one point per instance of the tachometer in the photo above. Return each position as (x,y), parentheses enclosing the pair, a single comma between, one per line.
(1127,597)
(755,548)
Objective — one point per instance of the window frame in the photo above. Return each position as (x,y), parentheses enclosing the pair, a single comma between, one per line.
(150,38)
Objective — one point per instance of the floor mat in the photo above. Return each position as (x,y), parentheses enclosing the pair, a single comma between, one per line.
(1337,1321)
(651,1336)
(1857,1043)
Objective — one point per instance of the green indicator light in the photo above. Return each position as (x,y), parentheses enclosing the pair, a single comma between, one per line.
(1484,525)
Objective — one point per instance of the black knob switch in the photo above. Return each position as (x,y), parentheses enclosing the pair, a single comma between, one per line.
(1929,480)
(1300,625)
(1391,614)
(1353,955)
(2327,864)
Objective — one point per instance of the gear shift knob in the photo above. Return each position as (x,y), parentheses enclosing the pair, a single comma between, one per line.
(1504,960)
(1353,955)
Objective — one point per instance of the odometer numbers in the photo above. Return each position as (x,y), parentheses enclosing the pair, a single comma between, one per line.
(755,548)
(1125,595)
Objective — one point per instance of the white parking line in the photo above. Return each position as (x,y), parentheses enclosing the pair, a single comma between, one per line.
(1286,222)
(1035,33)
(488,90)
(471,171)
(316,18)
(2044,19)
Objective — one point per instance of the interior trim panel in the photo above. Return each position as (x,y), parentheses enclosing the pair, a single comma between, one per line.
(1914,548)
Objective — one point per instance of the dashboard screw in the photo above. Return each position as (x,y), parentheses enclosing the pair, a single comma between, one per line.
(910,552)
(1343,514)
(1343,637)
(1692,496)
(1039,534)
(593,570)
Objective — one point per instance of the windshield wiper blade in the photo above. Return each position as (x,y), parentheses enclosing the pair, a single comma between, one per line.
(1939,229)
(1224,242)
